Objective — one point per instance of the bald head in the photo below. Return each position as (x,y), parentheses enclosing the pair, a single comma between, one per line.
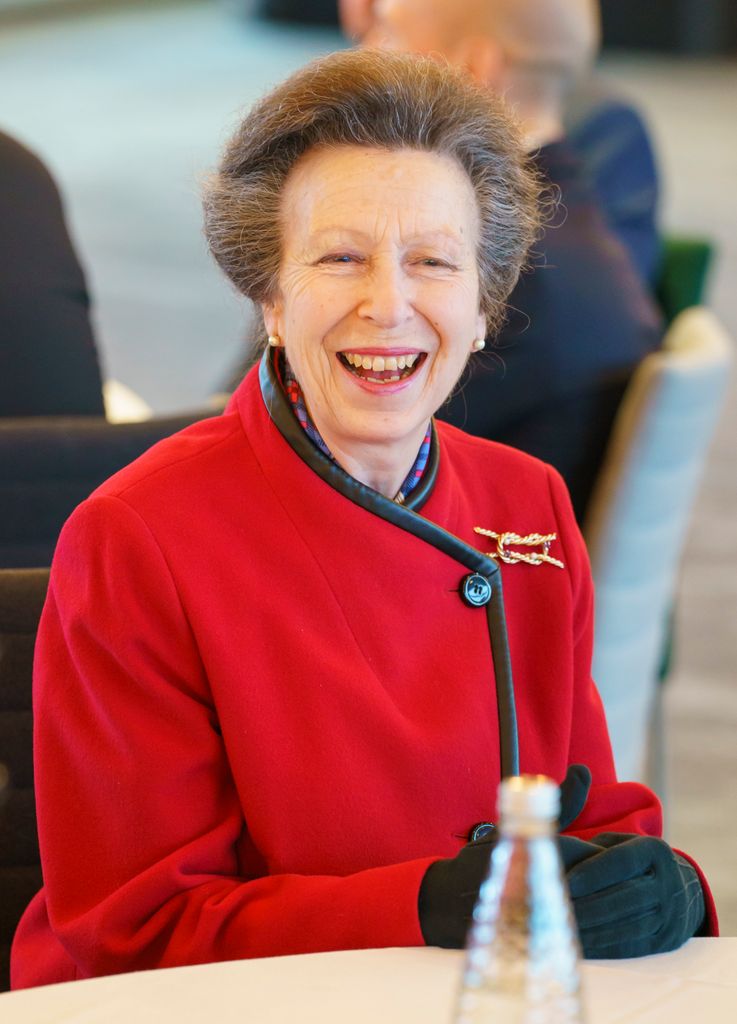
(548,33)
(551,34)
(530,51)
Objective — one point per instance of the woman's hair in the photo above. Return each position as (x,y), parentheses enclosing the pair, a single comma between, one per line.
(387,101)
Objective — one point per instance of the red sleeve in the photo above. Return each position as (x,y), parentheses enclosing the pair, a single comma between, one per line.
(612,806)
(138,814)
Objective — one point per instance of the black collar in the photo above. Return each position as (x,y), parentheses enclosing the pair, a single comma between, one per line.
(407,518)
(404,516)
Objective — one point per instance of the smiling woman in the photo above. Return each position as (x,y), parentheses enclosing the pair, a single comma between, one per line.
(373,236)
(273,687)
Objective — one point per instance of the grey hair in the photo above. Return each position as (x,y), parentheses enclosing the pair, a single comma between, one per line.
(386,101)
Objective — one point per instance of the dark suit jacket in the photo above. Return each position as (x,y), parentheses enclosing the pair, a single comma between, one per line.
(579,323)
(48,359)
(613,143)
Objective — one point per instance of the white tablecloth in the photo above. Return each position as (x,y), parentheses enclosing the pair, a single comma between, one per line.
(695,985)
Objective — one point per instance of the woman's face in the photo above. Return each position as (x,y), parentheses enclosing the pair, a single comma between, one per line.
(378,298)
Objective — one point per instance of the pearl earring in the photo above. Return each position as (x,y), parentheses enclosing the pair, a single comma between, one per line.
(274,340)
(478,344)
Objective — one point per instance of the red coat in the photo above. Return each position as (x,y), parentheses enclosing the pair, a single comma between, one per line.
(262,710)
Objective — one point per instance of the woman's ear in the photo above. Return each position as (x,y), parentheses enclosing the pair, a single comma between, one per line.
(481,326)
(271,313)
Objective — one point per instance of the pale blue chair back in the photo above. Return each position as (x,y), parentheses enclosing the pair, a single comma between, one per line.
(637,522)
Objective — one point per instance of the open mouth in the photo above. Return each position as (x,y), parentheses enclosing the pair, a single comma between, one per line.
(382,369)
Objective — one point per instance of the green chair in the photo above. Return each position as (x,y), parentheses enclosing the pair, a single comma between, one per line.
(685,265)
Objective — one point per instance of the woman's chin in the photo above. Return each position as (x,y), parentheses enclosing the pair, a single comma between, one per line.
(394,431)
(365,414)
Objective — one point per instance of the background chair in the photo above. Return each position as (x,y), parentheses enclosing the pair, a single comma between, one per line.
(49,465)
(22,594)
(636,525)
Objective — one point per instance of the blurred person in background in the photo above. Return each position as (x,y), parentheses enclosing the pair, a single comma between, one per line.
(48,359)
(581,319)
(607,131)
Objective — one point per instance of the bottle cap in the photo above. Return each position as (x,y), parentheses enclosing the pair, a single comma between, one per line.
(534,796)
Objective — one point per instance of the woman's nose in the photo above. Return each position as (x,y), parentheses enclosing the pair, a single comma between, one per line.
(387,300)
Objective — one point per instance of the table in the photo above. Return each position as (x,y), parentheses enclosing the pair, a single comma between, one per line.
(695,985)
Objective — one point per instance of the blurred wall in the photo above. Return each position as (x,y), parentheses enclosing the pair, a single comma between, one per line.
(681,26)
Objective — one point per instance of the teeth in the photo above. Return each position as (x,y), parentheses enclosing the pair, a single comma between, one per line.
(378,364)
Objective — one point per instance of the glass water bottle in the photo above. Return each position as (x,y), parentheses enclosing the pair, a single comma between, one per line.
(522,952)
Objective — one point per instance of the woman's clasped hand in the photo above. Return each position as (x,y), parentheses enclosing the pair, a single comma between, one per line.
(631,894)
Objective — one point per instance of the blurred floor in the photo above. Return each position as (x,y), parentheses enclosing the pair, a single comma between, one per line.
(130,107)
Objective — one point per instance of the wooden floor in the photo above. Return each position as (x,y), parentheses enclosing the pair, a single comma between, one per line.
(130,108)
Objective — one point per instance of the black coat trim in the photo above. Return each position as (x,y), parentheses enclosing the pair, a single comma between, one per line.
(407,518)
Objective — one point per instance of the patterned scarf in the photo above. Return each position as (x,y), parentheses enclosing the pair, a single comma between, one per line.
(296,399)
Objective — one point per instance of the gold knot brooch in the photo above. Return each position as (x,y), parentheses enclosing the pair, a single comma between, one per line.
(532,540)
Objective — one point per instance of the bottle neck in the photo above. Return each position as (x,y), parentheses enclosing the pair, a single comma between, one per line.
(526,827)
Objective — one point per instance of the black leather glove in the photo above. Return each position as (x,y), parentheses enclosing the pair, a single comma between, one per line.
(574,792)
(448,894)
(450,888)
(634,897)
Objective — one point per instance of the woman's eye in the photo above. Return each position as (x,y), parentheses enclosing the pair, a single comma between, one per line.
(339,257)
(434,261)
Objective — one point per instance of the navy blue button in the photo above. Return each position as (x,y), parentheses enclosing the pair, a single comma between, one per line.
(481,831)
(475,590)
